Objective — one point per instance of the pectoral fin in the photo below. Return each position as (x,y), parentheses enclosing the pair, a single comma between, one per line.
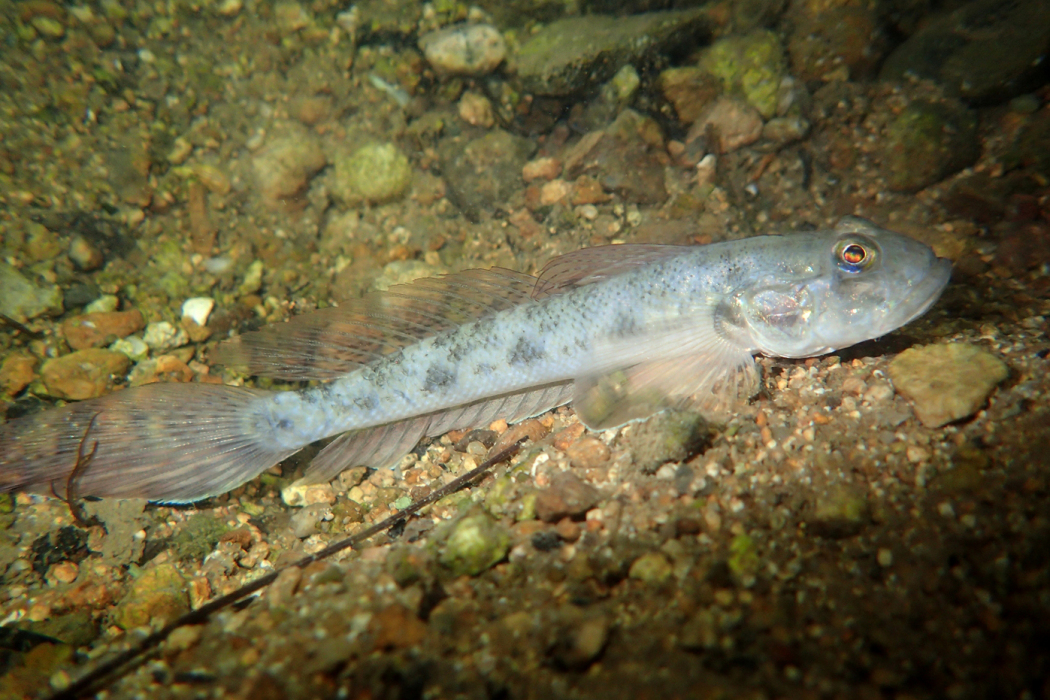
(712,383)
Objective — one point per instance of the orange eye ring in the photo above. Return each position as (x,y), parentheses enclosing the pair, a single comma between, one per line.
(854,256)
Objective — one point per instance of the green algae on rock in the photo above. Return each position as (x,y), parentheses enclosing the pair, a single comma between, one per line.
(476,543)
(374,174)
(751,66)
(927,142)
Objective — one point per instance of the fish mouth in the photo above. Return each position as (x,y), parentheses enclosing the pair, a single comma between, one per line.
(926,292)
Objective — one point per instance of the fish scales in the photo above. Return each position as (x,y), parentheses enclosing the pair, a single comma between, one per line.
(621,331)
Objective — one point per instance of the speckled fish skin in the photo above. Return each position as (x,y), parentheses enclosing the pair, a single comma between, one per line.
(662,325)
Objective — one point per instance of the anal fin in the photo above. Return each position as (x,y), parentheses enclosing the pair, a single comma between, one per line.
(384,445)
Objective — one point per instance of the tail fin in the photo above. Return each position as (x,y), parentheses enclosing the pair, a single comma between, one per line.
(173,443)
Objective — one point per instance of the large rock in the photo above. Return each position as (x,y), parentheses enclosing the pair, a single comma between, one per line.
(483,172)
(985,52)
(928,141)
(84,374)
(576,53)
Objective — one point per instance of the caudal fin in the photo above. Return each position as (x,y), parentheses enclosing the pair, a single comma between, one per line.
(173,443)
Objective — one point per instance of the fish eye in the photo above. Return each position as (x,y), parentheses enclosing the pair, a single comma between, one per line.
(854,256)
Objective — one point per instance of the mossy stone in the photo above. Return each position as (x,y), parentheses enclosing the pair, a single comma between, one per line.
(751,65)
(373,174)
(475,544)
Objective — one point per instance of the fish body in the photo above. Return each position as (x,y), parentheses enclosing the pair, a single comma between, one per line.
(621,331)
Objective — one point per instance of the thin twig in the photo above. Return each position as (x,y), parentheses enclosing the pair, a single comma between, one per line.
(110,671)
(72,497)
(8,321)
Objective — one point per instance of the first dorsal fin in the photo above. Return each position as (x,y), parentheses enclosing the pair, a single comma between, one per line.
(329,343)
(590,265)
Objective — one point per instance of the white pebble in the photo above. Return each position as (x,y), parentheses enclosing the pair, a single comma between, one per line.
(161,335)
(198,309)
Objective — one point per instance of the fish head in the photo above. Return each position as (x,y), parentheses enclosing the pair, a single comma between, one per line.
(859,282)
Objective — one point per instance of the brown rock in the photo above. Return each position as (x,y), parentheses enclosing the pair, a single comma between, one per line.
(589,191)
(531,429)
(397,627)
(690,90)
(734,124)
(98,329)
(16,373)
(588,453)
(567,496)
(84,374)
(568,530)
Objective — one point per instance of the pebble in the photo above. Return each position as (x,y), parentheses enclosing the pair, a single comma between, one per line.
(567,496)
(474,49)
(64,572)
(305,521)
(476,109)
(652,568)
(533,429)
(283,168)
(166,368)
(672,436)
(104,304)
(94,330)
(735,124)
(546,168)
(132,346)
(476,543)
(690,90)
(84,374)
(375,173)
(21,299)
(301,494)
(198,309)
(588,453)
(159,592)
(839,510)
(162,335)
(84,254)
(946,383)
(16,373)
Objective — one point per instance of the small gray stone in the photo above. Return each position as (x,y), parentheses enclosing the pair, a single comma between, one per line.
(946,383)
(672,436)
(473,49)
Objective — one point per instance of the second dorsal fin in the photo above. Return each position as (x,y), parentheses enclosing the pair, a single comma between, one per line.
(590,265)
(329,343)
